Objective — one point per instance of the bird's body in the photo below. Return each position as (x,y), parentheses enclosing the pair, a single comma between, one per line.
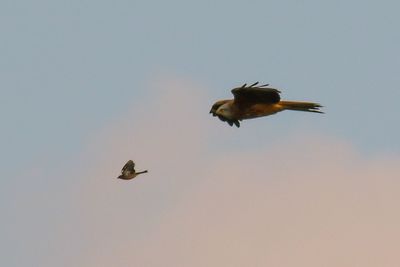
(256,101)
(128,171)
(252,111)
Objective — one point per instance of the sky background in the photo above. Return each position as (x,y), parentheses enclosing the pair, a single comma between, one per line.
(87,85)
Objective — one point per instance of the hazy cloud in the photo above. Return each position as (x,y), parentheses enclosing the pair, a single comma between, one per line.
(303,200)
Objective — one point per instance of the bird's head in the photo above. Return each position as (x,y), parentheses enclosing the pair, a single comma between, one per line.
(222,110)
(225,111)
(216,105)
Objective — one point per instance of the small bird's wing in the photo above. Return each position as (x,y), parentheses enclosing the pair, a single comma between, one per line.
(253,94)
(129,166)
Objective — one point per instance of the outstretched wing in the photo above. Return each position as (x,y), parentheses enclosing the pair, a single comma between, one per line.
(129,166)
(247,95)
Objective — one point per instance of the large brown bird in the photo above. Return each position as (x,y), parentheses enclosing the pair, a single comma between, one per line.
(128,171)
(256,101)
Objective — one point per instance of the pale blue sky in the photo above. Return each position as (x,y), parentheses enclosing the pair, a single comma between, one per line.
(70,68)
(67,67)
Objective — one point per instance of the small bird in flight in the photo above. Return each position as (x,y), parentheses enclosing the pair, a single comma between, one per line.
(256,101)
(128,171)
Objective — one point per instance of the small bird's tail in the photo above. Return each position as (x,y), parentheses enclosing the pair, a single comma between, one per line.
(301,106)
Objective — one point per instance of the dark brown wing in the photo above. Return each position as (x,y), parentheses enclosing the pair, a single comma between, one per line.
(253,94)
(129,166)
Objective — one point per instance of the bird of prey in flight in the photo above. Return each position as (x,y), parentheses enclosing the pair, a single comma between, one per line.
(128,171)
(255,101)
